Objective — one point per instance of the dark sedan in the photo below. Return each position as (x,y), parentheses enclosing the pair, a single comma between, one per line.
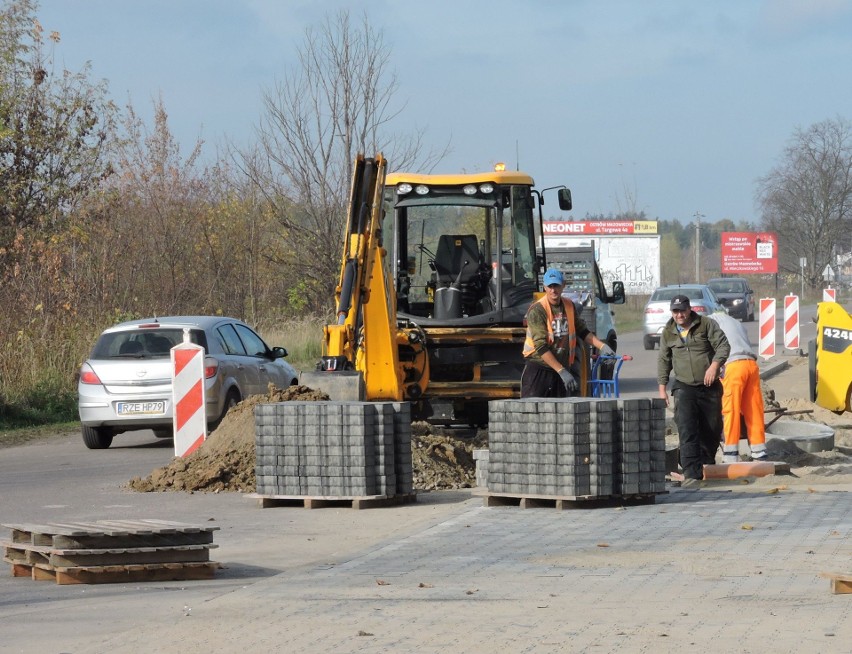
(736,296)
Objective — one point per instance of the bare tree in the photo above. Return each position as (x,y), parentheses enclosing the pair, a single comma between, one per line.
(339,102)
(807,197)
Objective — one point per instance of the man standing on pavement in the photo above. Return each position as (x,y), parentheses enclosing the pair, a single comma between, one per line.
(694,348)
(742,395)
(552,368)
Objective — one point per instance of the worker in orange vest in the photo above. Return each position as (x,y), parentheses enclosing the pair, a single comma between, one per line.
(551,367)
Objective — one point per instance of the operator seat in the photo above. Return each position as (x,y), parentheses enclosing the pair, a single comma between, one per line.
(457,265)
(457,254)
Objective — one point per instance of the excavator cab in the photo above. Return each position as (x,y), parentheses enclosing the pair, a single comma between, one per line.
(462,247)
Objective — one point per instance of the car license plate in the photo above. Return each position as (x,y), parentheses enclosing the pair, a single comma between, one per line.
(157,408)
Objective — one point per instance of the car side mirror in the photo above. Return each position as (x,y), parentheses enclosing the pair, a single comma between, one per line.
(617,293)
(279,352)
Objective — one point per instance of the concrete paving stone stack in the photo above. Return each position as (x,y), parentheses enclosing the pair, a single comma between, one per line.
(403,463)
(573,446)
(642,464)
(333,449)
(576,447)
(604,440)
(539,447)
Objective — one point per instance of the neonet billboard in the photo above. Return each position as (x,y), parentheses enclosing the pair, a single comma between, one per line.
(612,227)
(749,252)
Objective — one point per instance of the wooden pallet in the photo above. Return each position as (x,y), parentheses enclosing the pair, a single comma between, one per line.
(110,551)
(841,584)
(114,574)
(531,501)
(320,502)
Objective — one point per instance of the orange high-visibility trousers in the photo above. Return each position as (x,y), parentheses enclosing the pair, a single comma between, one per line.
(742,395)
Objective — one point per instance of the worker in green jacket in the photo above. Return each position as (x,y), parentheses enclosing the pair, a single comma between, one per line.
(694,348)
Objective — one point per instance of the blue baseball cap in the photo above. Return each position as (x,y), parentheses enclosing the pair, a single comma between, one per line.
(553,276)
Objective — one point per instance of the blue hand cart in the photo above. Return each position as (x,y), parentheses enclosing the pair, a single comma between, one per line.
(602,387)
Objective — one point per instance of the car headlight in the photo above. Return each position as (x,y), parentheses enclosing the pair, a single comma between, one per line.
(737,301)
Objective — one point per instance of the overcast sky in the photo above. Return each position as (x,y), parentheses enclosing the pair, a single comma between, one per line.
(671,106)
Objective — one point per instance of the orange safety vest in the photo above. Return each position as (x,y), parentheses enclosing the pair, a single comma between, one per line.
(570,339)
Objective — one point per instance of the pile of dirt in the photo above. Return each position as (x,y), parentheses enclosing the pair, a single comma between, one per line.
(442,458)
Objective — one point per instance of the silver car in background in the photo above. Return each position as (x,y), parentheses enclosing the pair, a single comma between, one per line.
(657,312)
(126,384)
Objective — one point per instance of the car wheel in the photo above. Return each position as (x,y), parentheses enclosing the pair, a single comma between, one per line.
(232,399)
(97,438)
(648,342)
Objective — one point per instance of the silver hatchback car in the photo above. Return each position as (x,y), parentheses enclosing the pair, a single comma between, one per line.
(126,384)
(702,298)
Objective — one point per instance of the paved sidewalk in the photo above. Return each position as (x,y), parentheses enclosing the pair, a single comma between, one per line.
(721,568)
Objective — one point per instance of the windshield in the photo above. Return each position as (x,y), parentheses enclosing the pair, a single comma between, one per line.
(143,343)
(666,294)
(727,287)
(453,241)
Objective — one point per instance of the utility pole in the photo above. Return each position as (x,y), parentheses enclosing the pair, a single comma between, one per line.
(698,217)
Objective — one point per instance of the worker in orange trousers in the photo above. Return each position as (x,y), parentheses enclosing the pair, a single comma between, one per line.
(742,395)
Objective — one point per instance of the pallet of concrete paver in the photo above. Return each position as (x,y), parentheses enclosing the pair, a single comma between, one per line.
(320,501)
(110,551)
(529,501)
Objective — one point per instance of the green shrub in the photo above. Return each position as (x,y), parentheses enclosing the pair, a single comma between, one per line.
(50,401)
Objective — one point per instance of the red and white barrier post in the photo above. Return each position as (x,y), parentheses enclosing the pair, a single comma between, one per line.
(791,322)
(829,294)
(188,397)
(766,328)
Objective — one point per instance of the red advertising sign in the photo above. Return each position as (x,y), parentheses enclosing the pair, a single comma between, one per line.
(749,252)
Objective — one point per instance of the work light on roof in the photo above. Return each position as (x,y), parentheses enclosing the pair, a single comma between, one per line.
(469,189)
(486,188)
(404,188)
(421,189)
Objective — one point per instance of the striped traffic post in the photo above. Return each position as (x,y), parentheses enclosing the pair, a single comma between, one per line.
(766,328)
(829,294)
(188,397)
(791,322)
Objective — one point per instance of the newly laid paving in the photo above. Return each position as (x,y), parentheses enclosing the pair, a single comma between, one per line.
(717,568)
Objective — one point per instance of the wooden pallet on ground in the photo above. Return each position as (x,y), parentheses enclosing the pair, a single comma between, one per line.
(531,501)
(841,584)
(320,502)
(110,551)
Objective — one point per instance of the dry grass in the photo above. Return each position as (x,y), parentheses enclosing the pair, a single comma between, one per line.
(302,337)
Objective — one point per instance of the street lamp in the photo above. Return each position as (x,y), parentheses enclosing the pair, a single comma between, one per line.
(698,217)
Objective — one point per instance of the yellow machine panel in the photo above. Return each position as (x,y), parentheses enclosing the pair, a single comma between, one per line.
(831,363)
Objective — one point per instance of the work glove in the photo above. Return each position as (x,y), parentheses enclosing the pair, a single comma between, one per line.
(607,351)
(569,380)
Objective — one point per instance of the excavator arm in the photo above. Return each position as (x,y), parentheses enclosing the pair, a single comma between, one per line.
(364,336)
